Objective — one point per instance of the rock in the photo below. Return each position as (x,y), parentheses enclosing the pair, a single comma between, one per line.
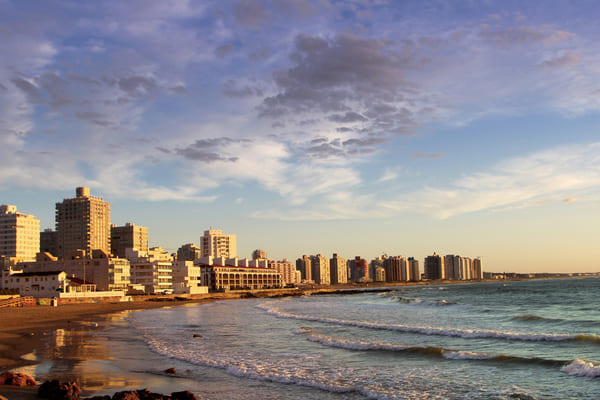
(141,394)
(185,395)
(57,390)
(16,379)
(170,371)
(197,335)
(105,397)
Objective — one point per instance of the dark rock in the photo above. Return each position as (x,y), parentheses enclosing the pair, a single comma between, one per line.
(197,335)
(185,395)
(57,390)
(140,394)
(170,371)
(105,397)
(16,379)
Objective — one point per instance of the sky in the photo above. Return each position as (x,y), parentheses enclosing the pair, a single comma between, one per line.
(353,127)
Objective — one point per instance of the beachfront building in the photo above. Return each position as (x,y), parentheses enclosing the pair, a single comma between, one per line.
(19,234)
(338,269)
(82,223)
(221,274)
(37,284)
(152,269)
(434,267)
(320,270)
(105,272)
(288,271)
(128,236)
(396,269)
(359,270)
(414,274)
(477,271)
(378,274)
(215,244)
(187,278)
(304,265)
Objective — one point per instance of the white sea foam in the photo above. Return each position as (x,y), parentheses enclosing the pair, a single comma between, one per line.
(424,330)
(466,355)
(580,367)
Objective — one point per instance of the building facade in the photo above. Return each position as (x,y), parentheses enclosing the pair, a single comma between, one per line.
(304,265)
(434,267)
(128,236)
(288,271)
(188,252)
(338,269)
(19,234)
(215,244)
(221,274)
(82,223)
(320,270)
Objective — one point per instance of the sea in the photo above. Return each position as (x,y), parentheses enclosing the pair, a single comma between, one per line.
(535,339)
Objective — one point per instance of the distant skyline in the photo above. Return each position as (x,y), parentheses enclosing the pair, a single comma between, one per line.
(304,127)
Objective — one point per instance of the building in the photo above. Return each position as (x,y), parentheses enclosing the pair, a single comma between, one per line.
(396,269)
(414,274)
(220,274)
(434,267)
(105,272)
(359,270)
(320,270)
(259,254)
(187,278)
(288,271)
(304,265)
(188,252)
(215,244)
(19,234)
(477,271)
(338,269)
(37,284)
(82,223)
(128,236)
(152,269)
(48,242)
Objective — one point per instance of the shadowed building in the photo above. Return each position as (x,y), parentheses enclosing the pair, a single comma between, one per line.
(339,269)
(126,237)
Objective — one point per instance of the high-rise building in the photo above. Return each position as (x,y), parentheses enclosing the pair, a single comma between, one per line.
(188,252)
(434,267)
(19,234)
(477,271)
(128,236)
(82,223)
(48,242)
(396,269)
(338,269)
(304,265)
(359,270)
(215,244)
(413,270)
(320,270)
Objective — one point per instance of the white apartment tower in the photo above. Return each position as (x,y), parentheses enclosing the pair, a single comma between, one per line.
(215,244)
(82,223)
(19,234)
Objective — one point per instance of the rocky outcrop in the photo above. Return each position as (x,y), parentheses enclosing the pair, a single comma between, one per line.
(16,379)
(57,390)
(145,394)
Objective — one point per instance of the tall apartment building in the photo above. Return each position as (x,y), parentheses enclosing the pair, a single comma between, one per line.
(259,254)
(304,265)
(82,223)
(477,271)
(128,236)
(338,269)
(188,252)
(215,244)
(359,269)
(19,234)
(396,269)
(434,267)
(288,271)
(413,270)
(320,270)
(48,242)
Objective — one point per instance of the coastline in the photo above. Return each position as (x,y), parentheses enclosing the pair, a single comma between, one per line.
(30,331)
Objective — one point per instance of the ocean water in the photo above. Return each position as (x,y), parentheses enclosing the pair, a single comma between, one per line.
(502,340)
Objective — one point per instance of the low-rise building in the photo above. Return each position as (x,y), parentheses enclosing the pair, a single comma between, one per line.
(187,278)
(217,275)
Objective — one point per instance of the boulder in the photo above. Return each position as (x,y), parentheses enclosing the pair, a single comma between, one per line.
(16,379)
(57,390)
(185,395)
(141,394)
(170,371)
(197,335)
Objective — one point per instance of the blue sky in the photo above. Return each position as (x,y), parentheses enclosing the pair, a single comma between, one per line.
(304,127)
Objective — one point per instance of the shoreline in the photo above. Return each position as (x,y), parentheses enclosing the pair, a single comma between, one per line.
(28,331)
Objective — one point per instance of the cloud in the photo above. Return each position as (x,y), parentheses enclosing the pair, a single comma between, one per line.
(518,36)
(568,59)
(251,14)
(420,154)
(519,181)
(570,200)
